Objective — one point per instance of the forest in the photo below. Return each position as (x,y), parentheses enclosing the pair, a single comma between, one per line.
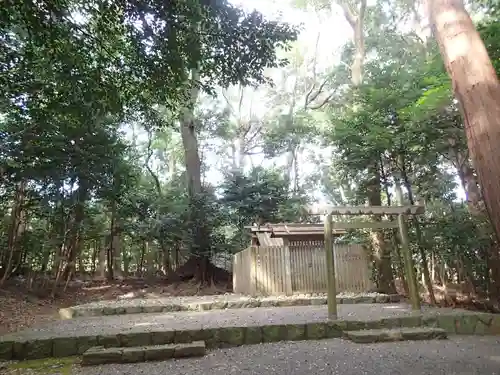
(139,138)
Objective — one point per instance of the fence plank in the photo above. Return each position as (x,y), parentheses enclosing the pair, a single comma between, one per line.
(236,272)
(287,271)
(299,268)
(252,258)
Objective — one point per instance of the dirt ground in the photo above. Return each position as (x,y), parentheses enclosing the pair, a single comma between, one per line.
(21,308)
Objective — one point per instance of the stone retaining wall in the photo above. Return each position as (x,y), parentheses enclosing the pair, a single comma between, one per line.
(33,348)
(98,355)
(139,306)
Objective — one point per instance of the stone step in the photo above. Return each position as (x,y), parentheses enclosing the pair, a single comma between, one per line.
(99,355)
(395,334)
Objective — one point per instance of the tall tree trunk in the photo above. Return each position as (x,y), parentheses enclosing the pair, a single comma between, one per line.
(477,90)
(190,140)
(199,243)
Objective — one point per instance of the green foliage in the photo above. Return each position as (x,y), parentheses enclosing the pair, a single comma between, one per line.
(79,77)
(75,75)
(489,33)
(456,237)
(261,196)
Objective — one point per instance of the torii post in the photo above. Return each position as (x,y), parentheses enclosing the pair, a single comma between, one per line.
(401,212)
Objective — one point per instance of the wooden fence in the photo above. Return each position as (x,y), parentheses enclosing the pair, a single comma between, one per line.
(299,268)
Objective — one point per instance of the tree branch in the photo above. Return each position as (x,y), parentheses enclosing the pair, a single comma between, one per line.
(325,101)
(156,180)
(348,12)
(315,59)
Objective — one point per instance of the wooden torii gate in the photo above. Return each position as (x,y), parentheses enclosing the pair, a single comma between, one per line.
(401,212)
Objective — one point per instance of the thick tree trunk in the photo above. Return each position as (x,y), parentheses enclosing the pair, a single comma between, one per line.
(477,90)
(199,244)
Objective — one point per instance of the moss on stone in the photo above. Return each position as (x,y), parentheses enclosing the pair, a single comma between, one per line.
(495,325)
(274,333)
(253,335)
(448,323)
(467,324)
(135,339)
(46,366)
(65,346)
(316,331)
(296,332)
(232,336)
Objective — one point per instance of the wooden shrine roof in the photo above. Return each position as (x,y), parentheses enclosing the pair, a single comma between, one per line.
(292,229)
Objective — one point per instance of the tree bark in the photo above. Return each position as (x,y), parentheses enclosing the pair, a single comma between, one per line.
(190,140)
(16,229)
(356,20)
(199,243)
(477,90)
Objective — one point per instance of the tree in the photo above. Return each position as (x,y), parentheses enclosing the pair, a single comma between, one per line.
(477,90)
(243,61)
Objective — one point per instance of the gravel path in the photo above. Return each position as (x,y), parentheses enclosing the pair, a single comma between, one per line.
(456,356)
(211,319)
